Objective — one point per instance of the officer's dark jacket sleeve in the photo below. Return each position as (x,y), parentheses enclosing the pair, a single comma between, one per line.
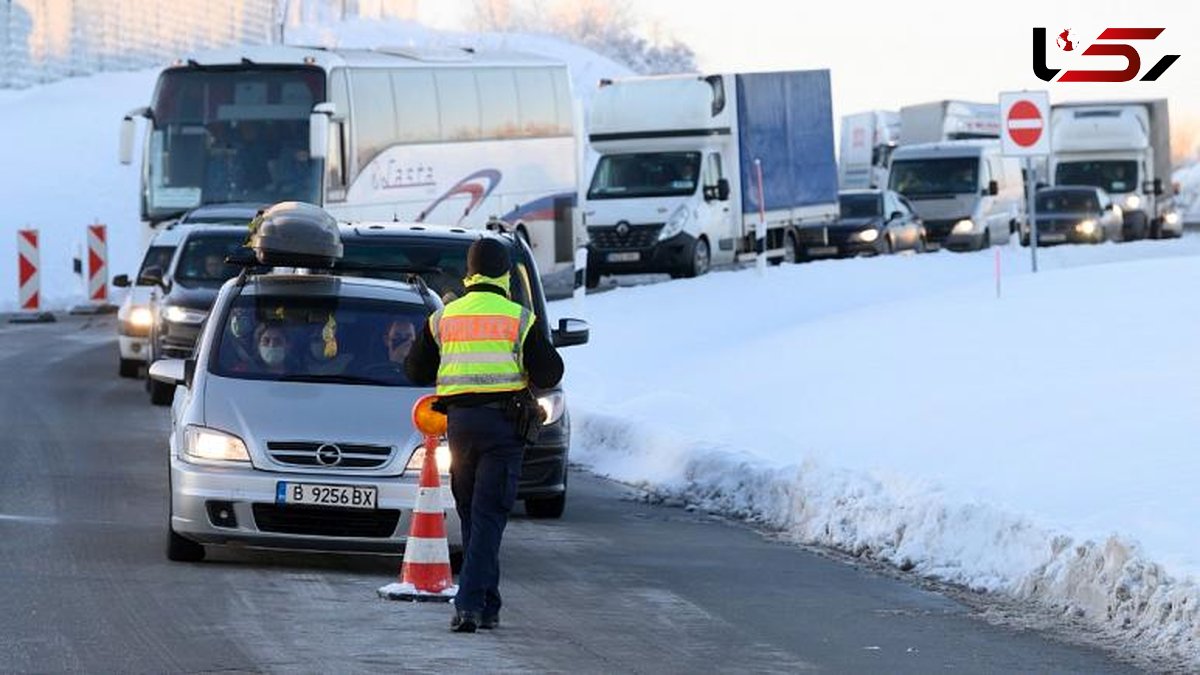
(421,364)
(542,362)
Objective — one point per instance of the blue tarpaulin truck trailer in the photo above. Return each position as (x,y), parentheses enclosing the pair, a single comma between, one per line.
(674,187)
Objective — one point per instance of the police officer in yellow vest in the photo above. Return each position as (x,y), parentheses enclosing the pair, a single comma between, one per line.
(483,351)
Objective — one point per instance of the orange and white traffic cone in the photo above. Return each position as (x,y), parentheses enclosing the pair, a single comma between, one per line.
(425,574)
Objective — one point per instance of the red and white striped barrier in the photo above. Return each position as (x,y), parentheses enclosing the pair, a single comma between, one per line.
(97,243)
(425,574)
(29,278)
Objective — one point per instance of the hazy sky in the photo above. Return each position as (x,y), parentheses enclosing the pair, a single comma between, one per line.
(887,54)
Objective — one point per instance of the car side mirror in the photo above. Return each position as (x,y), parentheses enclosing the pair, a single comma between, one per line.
(151,276)
(993,188)
(723,189)
(570,332)
(896,215)
(121,281)
(318,129)
(170,371)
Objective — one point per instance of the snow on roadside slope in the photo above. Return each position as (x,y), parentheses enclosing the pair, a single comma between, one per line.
(1038,446)
(62,172)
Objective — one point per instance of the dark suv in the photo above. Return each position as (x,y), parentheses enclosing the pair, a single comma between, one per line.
(371,248)
(187,290)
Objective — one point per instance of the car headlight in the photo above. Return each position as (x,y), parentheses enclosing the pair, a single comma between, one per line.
(417,460)
(1132,202)
(177,314)
(964,226)
(209,444)
(140,317)
(1087,227)
(1172,218)
(554,405)
(675,223)
(869,235)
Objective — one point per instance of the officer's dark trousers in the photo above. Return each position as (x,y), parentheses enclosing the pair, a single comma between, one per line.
(483,476)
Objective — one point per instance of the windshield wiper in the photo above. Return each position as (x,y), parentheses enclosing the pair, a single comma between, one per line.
(335,379)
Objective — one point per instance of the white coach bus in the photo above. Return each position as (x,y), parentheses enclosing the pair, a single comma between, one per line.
(448,137)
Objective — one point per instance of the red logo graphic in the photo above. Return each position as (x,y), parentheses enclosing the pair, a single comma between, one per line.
(1024,123)
(1133,59)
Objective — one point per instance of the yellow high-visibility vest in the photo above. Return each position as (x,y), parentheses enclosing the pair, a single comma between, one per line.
(481,337)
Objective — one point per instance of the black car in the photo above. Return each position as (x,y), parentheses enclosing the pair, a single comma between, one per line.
(871,222)
(370,249)
(187,290)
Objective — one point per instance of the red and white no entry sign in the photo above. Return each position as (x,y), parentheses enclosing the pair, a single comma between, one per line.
(1024,117)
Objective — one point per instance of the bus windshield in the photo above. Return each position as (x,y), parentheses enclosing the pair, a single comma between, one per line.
(232,134)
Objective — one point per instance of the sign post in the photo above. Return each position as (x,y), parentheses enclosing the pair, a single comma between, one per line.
(1025,115)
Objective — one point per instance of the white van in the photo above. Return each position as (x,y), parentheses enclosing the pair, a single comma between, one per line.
(969,195)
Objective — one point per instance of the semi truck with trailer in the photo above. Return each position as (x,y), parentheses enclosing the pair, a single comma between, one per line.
(865,147)
(676,185)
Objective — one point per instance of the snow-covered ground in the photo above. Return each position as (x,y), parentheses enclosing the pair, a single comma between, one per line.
(61,140)
(1040,445)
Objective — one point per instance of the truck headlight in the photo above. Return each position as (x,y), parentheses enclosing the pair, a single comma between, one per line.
(442,454)
(1086,228)
(1132,202)
(676,223)
(177,314)
(964,226)
(554,405)
(140,317)
(868,235)
(209,444)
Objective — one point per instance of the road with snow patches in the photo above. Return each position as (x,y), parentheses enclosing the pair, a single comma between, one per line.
(618,585)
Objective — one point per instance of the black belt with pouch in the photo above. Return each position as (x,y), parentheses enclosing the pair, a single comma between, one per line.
(523,411)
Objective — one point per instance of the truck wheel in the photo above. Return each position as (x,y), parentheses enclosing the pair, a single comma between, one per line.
(161,393)
(591,277)
(129,367)
(789,249)
(698,259)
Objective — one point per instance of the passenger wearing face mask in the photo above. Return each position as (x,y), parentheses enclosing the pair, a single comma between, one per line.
(273,349)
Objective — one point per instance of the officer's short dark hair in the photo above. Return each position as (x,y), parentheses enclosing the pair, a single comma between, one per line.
(489,257)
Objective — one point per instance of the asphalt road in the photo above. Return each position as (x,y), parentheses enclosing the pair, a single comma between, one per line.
(616,586)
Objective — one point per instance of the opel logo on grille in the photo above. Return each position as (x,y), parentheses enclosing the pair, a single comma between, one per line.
(329,455)
(623,229)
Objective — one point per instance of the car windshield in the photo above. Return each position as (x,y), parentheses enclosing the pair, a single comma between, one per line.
(645,174)
(317,339)
(157,256)
(202,259)
(1112,176)
(860,206)
(1067,201)
(929,178)
(448,255)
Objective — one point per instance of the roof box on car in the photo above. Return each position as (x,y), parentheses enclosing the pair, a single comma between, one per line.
(295,234)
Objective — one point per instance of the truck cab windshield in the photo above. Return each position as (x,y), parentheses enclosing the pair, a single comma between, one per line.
(223,135)
(931,178)
(1113,176)
(646,174)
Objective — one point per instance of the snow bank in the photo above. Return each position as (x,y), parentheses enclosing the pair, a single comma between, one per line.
(1038,446)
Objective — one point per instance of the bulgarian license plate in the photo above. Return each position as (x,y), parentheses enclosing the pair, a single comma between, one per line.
(1053,238)
(822,250)
(628,256)
(314,494)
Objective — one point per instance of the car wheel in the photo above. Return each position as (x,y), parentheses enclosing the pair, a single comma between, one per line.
(986,241)
(920,246)
(591,276)
(889,246)
(699,259)
(456,561)
(182,549)
(789,249)
(129,368)
(161,393)
(546,507)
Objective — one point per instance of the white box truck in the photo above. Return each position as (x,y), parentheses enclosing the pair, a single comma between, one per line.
(675,186)
(865,147)
(939,121)
(1122,147)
